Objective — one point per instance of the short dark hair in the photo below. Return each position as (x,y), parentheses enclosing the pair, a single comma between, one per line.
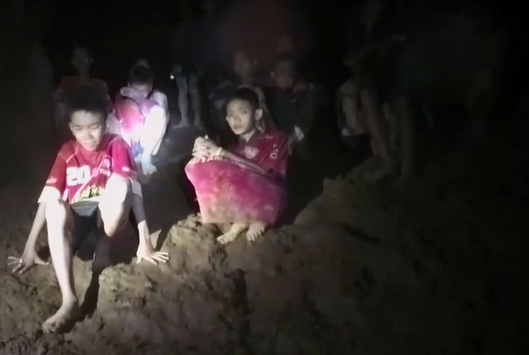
(87,98)
(245,94)
(141,75)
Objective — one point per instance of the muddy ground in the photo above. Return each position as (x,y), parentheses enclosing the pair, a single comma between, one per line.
(421,267)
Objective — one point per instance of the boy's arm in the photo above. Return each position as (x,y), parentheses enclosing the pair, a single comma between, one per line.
(241,161)
(52,191)
(36,227)
(123,165)
(277,159)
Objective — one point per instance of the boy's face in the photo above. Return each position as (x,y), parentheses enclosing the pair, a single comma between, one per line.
(242,64)
(81,59)
(241,116)
(88,129)
(144,89)
(284,75)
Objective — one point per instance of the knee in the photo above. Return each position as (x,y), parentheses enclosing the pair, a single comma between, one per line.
(115,204)
(56,213)
(117,189)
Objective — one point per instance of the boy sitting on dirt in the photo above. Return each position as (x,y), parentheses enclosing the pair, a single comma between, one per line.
(92,185)
(244,184)
(140,118)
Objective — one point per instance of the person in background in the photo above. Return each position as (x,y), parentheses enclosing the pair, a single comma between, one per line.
(293,104)
(156,94)
(184,71)
(140,118)
(81,61)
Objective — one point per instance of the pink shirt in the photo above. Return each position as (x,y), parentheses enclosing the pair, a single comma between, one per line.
(78,174)
(269,151)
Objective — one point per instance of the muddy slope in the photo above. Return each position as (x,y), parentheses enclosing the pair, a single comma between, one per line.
(428,267)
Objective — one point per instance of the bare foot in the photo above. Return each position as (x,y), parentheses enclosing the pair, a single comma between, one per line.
(184,122)
(234,232)
(63,318)
(255,231)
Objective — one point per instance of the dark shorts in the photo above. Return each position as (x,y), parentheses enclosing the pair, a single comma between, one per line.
(85,222)
(85,215)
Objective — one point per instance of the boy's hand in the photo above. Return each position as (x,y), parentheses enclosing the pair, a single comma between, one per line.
(146,252)
(299,133)
(204,148)
(25,262)
(147,166)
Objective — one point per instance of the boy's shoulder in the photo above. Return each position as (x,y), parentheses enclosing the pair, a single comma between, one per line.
(274,137)
(111,139)
(68,149)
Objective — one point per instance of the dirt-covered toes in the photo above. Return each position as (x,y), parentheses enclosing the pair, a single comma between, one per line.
(63,319)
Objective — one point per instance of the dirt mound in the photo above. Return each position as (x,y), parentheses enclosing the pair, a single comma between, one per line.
(414,268)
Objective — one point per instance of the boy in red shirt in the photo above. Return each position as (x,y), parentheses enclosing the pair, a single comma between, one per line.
(92,184)
(244,184)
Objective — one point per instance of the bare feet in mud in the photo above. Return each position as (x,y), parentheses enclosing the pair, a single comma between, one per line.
(234,232)
(255,231)
(64,318)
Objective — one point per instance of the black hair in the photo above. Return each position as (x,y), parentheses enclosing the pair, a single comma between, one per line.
(80,48)
(141,75)
(87,98)
(245,94)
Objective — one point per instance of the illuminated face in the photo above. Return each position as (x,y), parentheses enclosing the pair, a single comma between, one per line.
(143,89)
(241,116)
(88,129)
(242,64)
(81,59)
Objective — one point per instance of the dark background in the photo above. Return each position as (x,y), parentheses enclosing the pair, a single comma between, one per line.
(117,33)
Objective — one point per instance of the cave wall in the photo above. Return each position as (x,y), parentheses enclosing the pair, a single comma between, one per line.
(27,134)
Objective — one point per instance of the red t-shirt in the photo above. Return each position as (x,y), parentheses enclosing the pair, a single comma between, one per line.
(269,151)
(79,175)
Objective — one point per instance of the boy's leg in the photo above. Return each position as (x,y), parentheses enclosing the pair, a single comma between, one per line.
(183,89)
(194,91)
(115,204)
(114,212)
(60,226)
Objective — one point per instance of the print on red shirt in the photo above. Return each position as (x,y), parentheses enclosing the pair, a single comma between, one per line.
(269,151)
(78,175)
